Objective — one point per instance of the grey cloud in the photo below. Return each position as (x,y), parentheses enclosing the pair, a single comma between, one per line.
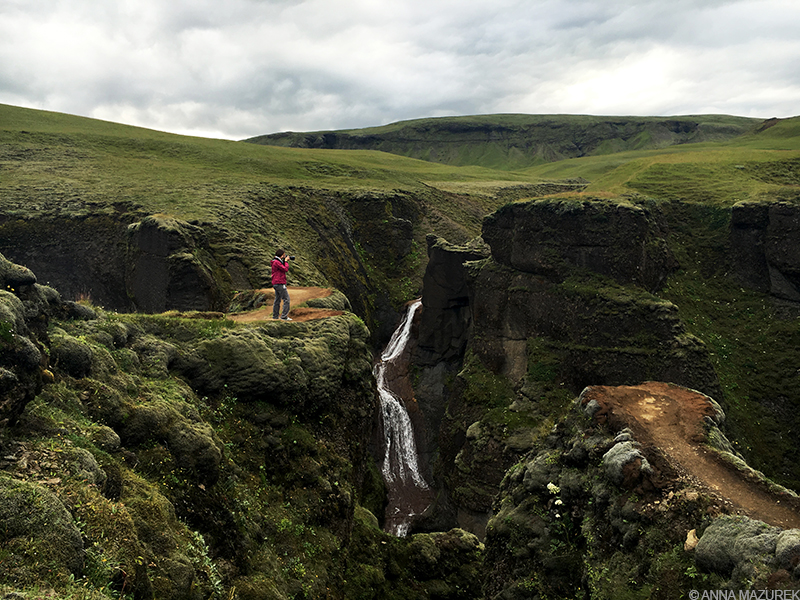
(246,67)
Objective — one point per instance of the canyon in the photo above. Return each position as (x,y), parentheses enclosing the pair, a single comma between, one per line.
(575,358)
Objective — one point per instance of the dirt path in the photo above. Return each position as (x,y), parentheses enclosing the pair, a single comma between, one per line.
(671,418)
(297,295)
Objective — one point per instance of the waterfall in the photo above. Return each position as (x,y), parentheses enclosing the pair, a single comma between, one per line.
(409,494)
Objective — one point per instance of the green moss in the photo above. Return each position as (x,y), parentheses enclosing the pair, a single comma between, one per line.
(39,540)
(484,388)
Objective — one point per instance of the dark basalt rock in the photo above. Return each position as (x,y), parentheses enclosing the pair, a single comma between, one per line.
(445,319)
(764,250)
(546,237)
(169,267)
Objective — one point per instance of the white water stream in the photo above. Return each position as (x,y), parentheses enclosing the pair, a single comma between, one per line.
(409,494)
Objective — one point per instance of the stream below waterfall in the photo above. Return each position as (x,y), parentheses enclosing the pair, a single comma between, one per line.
(408,492)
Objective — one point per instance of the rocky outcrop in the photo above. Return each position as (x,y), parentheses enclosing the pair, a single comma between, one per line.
(25,312)
(37,526)
(597,508)
(170,501)
(561,303)
(158,263)
(169,266)
(446,316)
(764,252)
(626,242)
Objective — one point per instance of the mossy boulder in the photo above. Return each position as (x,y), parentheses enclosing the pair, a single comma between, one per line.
(71,355)
(20,360)
(732,540)
(191,442)
(13,276)
(335,301)
(39,539)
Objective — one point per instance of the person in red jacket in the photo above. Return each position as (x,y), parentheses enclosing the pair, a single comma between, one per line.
(279,270)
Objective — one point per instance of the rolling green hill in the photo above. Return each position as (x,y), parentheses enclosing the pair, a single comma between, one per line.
(517,141)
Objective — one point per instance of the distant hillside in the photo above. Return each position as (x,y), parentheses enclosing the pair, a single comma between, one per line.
(519,141)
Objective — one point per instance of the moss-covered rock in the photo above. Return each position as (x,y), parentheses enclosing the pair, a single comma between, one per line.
(621,240)
(71,355)
(39,539)
(13,275)
(169,266)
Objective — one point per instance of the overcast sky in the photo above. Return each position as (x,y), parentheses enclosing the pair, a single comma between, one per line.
(238,68)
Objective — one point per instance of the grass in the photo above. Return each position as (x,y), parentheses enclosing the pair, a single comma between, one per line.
(186,176)
(756,166)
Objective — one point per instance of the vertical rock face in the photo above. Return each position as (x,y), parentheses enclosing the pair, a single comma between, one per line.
(530,288)
(446,317)
(764,248)
(79,256)
(546,237)
(169,267)
(157,264)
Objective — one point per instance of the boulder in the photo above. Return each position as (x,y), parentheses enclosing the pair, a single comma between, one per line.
(625,464)
(36,524)
(12,275)
(21,360)
(732,541)
(71,355)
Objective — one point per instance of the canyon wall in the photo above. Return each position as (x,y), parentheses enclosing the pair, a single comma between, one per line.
(563,301)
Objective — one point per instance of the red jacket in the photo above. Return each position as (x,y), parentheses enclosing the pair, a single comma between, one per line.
(279,270)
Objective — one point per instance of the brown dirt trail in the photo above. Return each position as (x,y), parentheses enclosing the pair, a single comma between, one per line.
(671,418)
(297,295)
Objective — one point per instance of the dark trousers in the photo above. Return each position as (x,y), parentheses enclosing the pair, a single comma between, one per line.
(281,293)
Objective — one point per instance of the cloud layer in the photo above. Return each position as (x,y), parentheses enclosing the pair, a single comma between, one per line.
(240,68)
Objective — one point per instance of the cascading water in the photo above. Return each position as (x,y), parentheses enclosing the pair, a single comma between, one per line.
(408,492)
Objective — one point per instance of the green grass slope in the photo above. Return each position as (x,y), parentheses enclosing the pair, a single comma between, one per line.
(514,141)
(760,164)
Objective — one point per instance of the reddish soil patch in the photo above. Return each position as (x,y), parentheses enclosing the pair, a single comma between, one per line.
(297,295)
(670,418)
